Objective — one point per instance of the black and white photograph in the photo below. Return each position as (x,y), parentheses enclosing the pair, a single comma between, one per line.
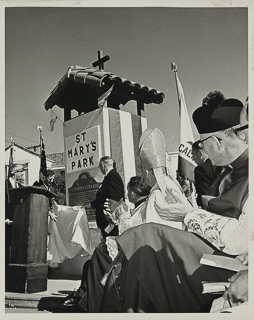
(126,158)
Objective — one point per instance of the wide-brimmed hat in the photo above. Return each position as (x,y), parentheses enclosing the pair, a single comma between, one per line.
(225,116)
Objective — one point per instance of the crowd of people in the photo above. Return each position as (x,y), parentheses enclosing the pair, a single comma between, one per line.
(117,279)
(165,231)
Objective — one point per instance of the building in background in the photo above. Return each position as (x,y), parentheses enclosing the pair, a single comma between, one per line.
(58,165)
(95,126)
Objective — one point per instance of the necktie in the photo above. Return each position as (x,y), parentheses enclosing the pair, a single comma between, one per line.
(226,180)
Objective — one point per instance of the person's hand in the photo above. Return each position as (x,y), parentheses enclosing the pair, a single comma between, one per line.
(237,292)
(173,211)
(8,222)
(110,205)
(108,216)
(53,216)
(243,258)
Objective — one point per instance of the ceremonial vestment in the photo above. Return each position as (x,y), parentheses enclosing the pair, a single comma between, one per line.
(173,281)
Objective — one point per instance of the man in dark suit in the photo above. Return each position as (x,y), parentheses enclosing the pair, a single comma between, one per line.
(47,181)
(14,180)
(111,188)
(205,172)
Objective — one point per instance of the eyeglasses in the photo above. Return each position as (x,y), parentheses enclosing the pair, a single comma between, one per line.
(200,143)
(239,130)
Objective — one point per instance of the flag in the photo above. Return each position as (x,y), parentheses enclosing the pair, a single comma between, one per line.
(186,164)
(53,118)
(43,167)
(11,157)
(103,98)
(10,160)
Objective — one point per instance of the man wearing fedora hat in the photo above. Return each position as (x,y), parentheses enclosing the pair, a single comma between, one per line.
(173,281)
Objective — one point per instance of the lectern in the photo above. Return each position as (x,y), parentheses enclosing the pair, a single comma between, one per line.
(27,271)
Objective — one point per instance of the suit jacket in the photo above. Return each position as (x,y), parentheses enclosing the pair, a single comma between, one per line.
(233,189)
(8,205)
(43,185)
(112,188)
(205,174)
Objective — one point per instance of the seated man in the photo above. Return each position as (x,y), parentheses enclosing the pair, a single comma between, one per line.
(172,283)
(237,292)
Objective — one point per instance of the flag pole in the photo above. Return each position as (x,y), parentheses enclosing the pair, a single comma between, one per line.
(175,70)
(11,158)
(40,138)
(56,116)
(182,112)
(40,135)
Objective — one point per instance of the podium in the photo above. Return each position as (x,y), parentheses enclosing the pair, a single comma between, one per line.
(27,271)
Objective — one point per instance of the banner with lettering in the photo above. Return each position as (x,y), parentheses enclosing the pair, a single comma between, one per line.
(186,163)
(83,150)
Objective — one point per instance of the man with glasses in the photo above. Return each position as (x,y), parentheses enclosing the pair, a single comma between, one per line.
(16,178)
(173,281)
(237,292)
(219,131)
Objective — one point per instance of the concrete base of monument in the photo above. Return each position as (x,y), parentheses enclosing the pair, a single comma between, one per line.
(72,268)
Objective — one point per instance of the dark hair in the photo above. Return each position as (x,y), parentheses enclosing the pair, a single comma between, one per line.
(138,186)
(195,146)
(49,173)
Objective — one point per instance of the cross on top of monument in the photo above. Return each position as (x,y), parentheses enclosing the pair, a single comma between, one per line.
(101,60)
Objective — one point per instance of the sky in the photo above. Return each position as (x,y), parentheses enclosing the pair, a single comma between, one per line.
(209,46)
